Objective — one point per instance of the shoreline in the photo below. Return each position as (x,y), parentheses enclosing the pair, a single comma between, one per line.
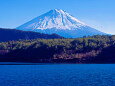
(28,63)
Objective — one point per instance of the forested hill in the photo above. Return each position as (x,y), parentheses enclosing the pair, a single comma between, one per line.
(13,34)
(95,49)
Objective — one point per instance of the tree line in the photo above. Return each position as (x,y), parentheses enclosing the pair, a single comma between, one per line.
(80,50)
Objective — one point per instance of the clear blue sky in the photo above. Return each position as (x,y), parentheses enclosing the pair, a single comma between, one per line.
(99,14)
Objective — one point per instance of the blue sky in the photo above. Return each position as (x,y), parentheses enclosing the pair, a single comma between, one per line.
(99,14)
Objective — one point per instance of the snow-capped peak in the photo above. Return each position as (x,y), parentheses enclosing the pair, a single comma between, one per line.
(59,22)
(55,18)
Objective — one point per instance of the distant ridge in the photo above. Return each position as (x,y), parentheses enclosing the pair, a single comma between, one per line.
(13,34)
(59,22)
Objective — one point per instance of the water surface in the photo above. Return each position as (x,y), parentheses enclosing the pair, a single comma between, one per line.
(58,75)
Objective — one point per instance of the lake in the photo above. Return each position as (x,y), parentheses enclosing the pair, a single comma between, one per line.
(58,75)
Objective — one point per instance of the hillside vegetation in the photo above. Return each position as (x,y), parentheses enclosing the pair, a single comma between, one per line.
(91,49)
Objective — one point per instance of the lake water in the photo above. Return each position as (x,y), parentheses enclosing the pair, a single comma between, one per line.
(58,75)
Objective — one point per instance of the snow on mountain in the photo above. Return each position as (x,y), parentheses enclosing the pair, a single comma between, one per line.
(61,23)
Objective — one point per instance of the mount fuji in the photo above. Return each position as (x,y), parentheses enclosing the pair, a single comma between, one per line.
(59,22)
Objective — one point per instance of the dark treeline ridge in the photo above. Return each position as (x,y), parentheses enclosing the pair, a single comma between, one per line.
(91,49)
(13,34)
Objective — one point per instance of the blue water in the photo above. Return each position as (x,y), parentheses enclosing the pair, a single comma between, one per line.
(58,75)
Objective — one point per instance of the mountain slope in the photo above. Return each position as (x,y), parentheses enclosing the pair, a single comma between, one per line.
(61,23)
(12,34)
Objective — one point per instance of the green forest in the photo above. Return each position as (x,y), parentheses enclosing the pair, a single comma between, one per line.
(91,49)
